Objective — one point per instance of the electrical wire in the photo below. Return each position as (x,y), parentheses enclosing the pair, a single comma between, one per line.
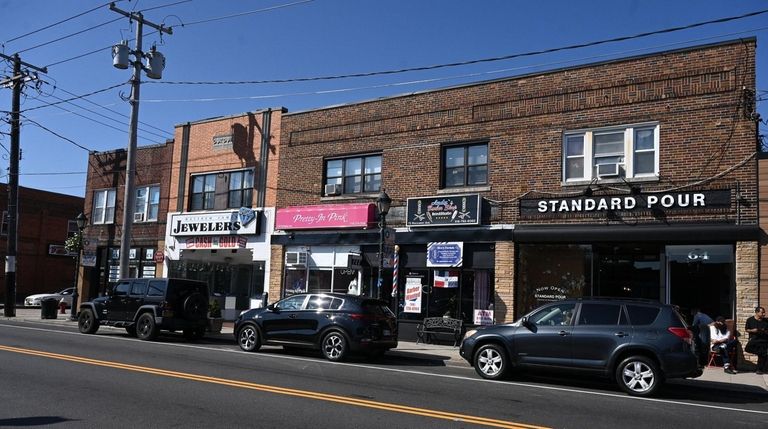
(57,134)
(60,22)
(122,130)
(75,98)
(54,173)
(476,61)
(236,15)
(70,35)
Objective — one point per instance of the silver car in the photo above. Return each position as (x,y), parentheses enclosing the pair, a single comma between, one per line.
(65,294)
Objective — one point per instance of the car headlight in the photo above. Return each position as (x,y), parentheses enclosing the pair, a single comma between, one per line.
(470,333)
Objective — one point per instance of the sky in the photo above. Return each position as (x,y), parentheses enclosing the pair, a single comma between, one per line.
(269,40)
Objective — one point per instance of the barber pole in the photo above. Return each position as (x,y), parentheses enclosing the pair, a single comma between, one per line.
(395,264)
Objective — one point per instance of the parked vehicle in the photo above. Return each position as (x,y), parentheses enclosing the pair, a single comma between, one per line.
(334,323)
(36,299)
(639,343)
(146,306)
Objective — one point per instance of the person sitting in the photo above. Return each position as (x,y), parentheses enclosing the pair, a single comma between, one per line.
(722,342)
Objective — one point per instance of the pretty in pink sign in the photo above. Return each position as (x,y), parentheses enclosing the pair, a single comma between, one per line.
(361,215)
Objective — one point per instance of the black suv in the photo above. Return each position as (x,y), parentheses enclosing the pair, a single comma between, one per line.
(335,323)
(145,306)
(640,343)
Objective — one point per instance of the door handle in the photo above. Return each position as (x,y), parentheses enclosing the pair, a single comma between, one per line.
(292,316)
(621,334)
(563,333)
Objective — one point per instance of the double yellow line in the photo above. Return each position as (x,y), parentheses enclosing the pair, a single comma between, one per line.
(279,390)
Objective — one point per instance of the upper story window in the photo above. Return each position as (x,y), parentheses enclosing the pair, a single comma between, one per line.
(353,175)
(103,206)
(222,190)
(147,203)
(72,228)
(465,165)
(626,151)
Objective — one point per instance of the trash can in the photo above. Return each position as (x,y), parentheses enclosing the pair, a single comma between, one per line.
(48,307)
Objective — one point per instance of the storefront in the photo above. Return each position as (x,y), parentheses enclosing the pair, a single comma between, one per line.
(105,262)
(677,261)
(228,249)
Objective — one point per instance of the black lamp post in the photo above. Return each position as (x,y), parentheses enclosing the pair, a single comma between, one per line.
(383,202)
(81,221)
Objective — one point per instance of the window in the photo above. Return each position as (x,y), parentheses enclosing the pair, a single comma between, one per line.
(555,315)
(240,189)
(599,314)
(156,288)
(641,315)
(465,165)
(292,303)
(122,288)
(103,206)
(147,203)
(354,175)
(72,228)
(139,288)
(627,151)
(203,191)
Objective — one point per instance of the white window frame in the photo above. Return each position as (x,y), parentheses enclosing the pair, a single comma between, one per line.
(627,162)
(146,202)
(98,220)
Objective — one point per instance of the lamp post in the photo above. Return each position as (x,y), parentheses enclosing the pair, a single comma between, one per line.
(383,203)
(81,220)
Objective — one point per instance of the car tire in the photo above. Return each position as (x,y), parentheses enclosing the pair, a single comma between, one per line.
(638,376)
(248,338)
(195,306)
(334,346)
(131,330)
(87,323)
(491,362)
(146,328)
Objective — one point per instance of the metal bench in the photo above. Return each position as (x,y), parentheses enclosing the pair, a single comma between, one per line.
(439,326)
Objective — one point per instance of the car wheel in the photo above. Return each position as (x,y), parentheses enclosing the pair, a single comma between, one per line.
(491,362)
(334,346)
(195,306)
(638,376)
(87,323)
(146,328)
(248,338)
(192,334)
(131,330)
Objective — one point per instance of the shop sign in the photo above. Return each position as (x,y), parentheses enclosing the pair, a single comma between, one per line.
(445,254)
(222,141)
(360,215)
(244,221)
(483,317)
(546,294)
(88,259)
(412,299)
(443,210)
(159,257)
(708,200)
(219,242)
(59,250)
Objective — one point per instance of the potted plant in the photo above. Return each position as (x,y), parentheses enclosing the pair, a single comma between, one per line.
(215,320)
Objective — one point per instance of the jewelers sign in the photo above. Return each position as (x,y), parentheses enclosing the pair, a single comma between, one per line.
(710,200)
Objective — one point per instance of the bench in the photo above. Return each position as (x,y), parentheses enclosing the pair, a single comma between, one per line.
(439,326)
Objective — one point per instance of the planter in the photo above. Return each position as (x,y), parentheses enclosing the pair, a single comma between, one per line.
(215,324)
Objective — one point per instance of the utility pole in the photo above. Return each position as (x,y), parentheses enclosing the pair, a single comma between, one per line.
(156,62)
(17,80)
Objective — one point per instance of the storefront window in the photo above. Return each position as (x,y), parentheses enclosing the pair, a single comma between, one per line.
(295,281)
(320,281)
(702,277)
(345,281)
(551,272)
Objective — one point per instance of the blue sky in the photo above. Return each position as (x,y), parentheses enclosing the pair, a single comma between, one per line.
(288,39)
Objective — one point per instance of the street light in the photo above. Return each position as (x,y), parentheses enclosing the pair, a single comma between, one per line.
(382,205)
(81,221)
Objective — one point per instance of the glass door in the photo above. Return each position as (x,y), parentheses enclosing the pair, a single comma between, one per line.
(702,277)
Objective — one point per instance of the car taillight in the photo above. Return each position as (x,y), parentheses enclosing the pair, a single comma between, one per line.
(361,316)
(683,333)
(165,309)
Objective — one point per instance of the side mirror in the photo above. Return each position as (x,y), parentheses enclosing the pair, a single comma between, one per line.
(271,307)
(528,324)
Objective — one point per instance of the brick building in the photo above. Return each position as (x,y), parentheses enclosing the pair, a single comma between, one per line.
(634,177)
(104,196)
(221,205)
(45,221)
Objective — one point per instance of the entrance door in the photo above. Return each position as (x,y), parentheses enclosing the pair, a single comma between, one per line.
(703,277)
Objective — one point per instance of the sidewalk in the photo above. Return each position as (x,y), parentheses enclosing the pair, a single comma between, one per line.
(714,377)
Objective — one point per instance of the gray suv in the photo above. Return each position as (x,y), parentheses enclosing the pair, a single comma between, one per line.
(145,306)
(639,343)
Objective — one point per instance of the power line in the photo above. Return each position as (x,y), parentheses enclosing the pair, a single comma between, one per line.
(59,22)
(69,35)
(236,15)
(469,62)
(58,135)
(62,173)
(102,123)
(75,98)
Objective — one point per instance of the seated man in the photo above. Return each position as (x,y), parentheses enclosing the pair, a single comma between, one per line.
(722,342)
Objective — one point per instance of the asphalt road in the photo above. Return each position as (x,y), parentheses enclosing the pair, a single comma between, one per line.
(54,376)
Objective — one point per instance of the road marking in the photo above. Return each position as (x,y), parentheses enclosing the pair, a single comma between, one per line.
(279,390)
(413,372)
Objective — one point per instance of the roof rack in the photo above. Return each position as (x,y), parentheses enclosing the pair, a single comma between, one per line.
(618,298)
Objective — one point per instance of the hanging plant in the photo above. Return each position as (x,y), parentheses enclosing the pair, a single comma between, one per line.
(74,243)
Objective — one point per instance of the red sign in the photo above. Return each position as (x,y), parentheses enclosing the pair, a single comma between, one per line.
(216,242)
(159,257)
(361,215)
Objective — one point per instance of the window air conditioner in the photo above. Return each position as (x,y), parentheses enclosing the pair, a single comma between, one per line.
(607,170)
(332,189)
(138,217)
(296,258)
